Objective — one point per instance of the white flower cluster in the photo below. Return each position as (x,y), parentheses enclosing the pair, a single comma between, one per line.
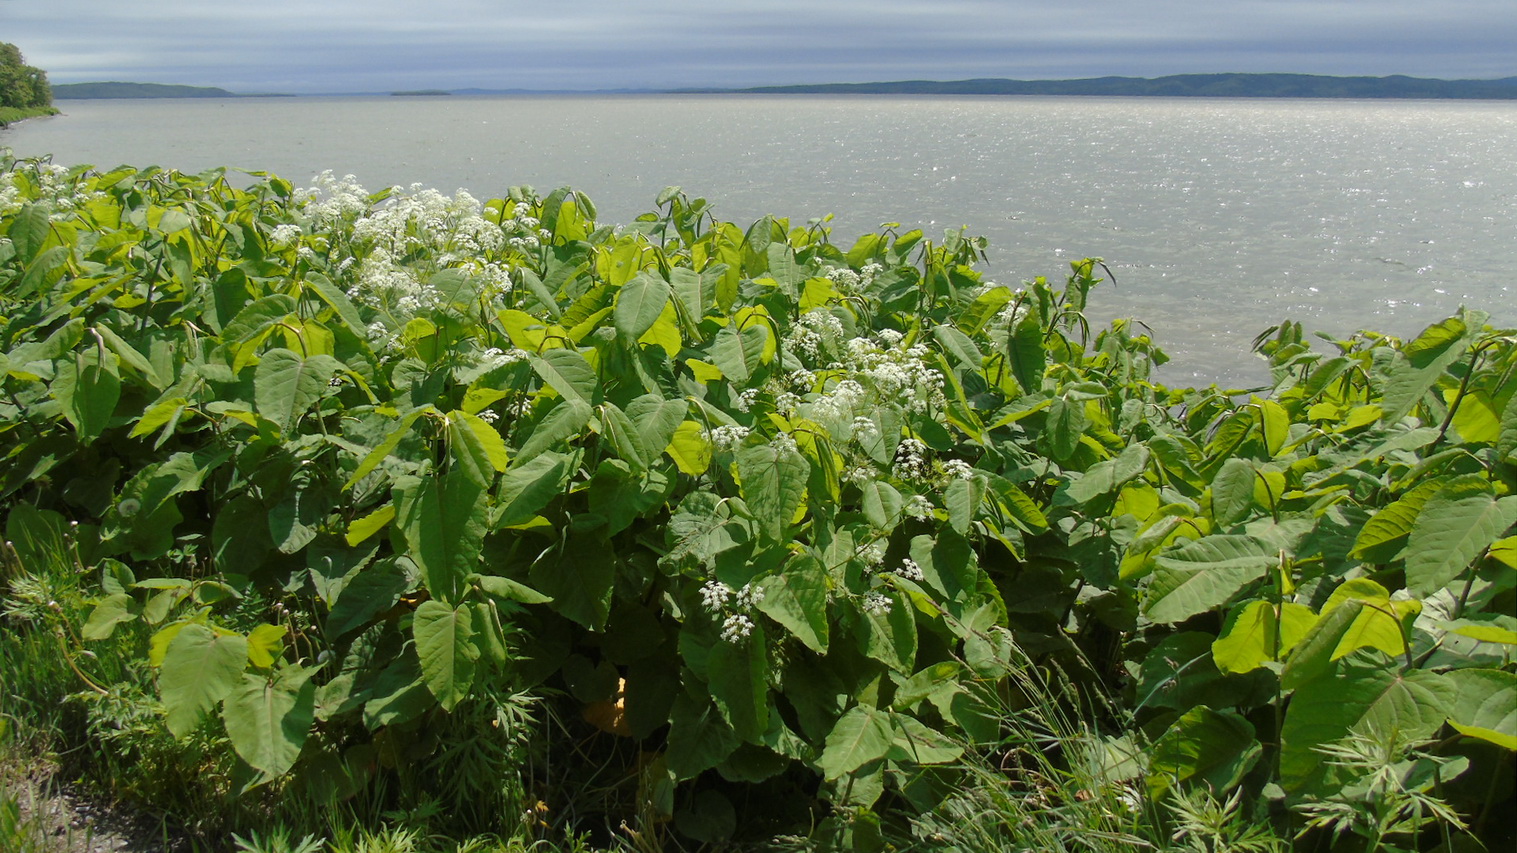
(728,436)
(746,399)
(877,603)
(736,628)
(330,199)
(410,224)
(1014,312)
(873,554)
(848,282)
(918,507)
(958,469)
(715,597)
(11,199)
(784,444)
(284,235)
(896,373)
(909,570)
(911,461)
(749,596)
(527,236)
(817,330)
(48,184)
(496,357)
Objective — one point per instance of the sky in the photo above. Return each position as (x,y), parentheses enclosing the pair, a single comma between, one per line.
(334,46)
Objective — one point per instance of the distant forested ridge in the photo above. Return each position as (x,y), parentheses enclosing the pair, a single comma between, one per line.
(79,91)
(22,87)
(1182,85)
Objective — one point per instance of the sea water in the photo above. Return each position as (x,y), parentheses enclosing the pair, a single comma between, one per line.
(1217,217)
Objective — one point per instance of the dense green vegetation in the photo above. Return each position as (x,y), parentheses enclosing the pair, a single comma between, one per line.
(425,515)
(1185,85)
(24,92)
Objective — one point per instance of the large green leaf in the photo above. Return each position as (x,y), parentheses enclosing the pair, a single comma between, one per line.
(1204,574)
(445,644)
(773,482)
(860,736)
(1359,614)
(1232,492)
(568,373)
(1382,538)
(285,384)
(1108,476)
(639,303)
(1213,748)
(372,591)
(739,682)
(88,389)
(625,439)
(1256,633)
(387,446)
(796,597)
(699,738)
(199,669)
(443,519)
(107,614)
(656,420)
(564,421)
(1485,705)
(1361,693)
(739,353)
(527,488)
(476,447)
(1424,360)
(886,630)
(269,719)
(916,743)
(580,581)
(1451,531)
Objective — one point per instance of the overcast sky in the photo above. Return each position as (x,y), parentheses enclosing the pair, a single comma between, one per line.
(304,46)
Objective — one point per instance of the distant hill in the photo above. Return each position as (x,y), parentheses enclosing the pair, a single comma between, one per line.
(1183,85)
(79,91)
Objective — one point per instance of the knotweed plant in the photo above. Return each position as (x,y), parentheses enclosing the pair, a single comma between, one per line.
(347,468)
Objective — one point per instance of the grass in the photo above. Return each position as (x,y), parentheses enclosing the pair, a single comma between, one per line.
(15,114)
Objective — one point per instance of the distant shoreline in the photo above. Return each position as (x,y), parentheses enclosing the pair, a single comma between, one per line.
(1175,86)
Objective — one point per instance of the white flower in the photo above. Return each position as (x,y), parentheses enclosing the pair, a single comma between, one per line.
(910,462)
(749,596)
(746,399)
(877,603)
(784,444)
(864,428)
(489,416)
(728,436)
(284,235)
(910,570)
(918,508)
(874,553)
(736,628)
(715,595)
(958,468)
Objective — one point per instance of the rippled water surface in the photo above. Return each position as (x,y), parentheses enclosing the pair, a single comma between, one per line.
(1218,217)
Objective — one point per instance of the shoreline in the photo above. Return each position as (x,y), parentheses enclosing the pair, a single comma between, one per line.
(12,115)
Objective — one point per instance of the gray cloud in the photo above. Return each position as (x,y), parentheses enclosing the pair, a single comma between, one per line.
(353,45)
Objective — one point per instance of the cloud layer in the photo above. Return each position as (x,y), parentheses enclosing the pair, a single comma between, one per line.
(378,45)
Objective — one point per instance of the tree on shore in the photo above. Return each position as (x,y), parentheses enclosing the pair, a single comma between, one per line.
(21,86)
